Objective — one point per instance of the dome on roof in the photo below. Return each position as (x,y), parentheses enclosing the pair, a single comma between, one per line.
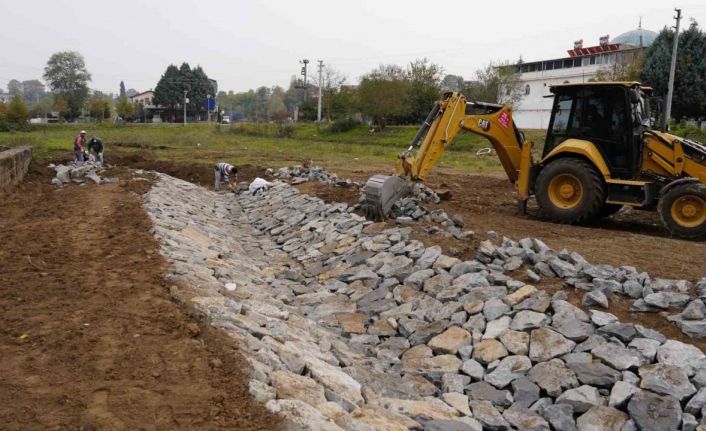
(632,37)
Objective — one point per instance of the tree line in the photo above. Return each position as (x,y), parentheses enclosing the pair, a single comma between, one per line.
(388,94)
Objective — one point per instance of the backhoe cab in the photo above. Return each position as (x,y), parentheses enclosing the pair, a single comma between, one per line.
(600,154)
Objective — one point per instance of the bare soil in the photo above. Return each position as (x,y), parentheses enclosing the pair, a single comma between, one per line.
(89,336)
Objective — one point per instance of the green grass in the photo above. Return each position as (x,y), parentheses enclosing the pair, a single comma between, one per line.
(257,144)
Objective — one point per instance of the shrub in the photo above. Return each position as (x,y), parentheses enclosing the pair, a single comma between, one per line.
(285,131)
(17,112)
(340,126)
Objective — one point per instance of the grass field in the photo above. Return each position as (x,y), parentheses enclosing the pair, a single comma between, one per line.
(258,144)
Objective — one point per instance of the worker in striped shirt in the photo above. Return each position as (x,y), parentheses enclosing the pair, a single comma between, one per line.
(227,173)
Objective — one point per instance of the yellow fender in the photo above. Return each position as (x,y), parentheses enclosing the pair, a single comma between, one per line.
(583,148)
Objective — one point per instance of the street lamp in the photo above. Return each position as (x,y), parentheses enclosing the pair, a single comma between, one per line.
(208,108)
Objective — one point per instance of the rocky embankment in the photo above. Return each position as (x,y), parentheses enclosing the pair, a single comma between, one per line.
(346,328)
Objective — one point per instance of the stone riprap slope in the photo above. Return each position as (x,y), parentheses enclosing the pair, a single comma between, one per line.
(345,329)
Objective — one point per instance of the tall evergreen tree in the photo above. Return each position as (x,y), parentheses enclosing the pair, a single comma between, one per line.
(122,89)
(689,99)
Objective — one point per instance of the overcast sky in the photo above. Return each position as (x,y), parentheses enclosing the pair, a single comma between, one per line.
(245,44)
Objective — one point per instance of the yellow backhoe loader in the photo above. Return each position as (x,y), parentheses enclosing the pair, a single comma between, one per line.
(600,154)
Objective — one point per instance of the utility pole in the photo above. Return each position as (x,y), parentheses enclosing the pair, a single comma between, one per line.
(672,68)
(321,83)
(185,102)
(303,72)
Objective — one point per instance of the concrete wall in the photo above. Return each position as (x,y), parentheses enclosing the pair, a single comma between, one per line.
(14,164)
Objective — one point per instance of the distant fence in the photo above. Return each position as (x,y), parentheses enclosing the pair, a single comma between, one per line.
(14,164)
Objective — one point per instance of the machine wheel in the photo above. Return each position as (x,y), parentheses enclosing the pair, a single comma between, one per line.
(571,191)
(683,210)
(609,209)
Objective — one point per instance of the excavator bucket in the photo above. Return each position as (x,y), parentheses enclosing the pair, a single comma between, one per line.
(380,193)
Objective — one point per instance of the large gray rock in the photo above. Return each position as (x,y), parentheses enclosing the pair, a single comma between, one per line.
(527,319)
(595,374)
(560,416)
(497,327)
(449,425)
(427,259)
(571,321)
(524,391)
(473,368)
(494,308)
(509,369)
(601,318)
(525,419)
(616,356)
(489,416)
(553,377)
(696,310)
(546,344)
(666,380)
(416,279)
(602,418)
(646,348)
(687,356)
(621,393)
(625,332)
(300,415)
(692,328)
(697,402)
(581,398)
(595,298)
(482,391)
(653,412)
(562,268)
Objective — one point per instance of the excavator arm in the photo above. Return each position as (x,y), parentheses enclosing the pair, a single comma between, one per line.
(446,120)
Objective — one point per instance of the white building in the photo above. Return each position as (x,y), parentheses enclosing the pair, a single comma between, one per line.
(146,99)
(581,65)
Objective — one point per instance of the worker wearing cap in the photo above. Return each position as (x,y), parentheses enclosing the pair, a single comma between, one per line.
(79,143)
(95,147)
(225,172)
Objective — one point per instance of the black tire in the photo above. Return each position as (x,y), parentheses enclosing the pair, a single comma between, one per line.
(690,228)
(608,210)
(588,207)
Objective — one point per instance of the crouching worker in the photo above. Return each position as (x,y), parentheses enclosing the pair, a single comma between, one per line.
(227,173)
(95,147)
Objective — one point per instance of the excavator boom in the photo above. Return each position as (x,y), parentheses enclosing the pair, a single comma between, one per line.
(446,120)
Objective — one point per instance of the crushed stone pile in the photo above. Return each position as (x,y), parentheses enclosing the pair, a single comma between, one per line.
(349,329)
(601,282)
(87,171)
(300,174)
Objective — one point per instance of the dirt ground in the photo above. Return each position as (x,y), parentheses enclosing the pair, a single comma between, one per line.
(89,338)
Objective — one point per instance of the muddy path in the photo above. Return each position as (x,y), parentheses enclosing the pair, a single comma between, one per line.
(89,337)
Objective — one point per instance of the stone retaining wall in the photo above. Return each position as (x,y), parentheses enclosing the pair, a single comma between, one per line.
(14,164)
(348,328)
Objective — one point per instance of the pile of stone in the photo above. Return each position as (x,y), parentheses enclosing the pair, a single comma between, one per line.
(408,209)
(300,174)
(345,328)
(602,281)
(87,171)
